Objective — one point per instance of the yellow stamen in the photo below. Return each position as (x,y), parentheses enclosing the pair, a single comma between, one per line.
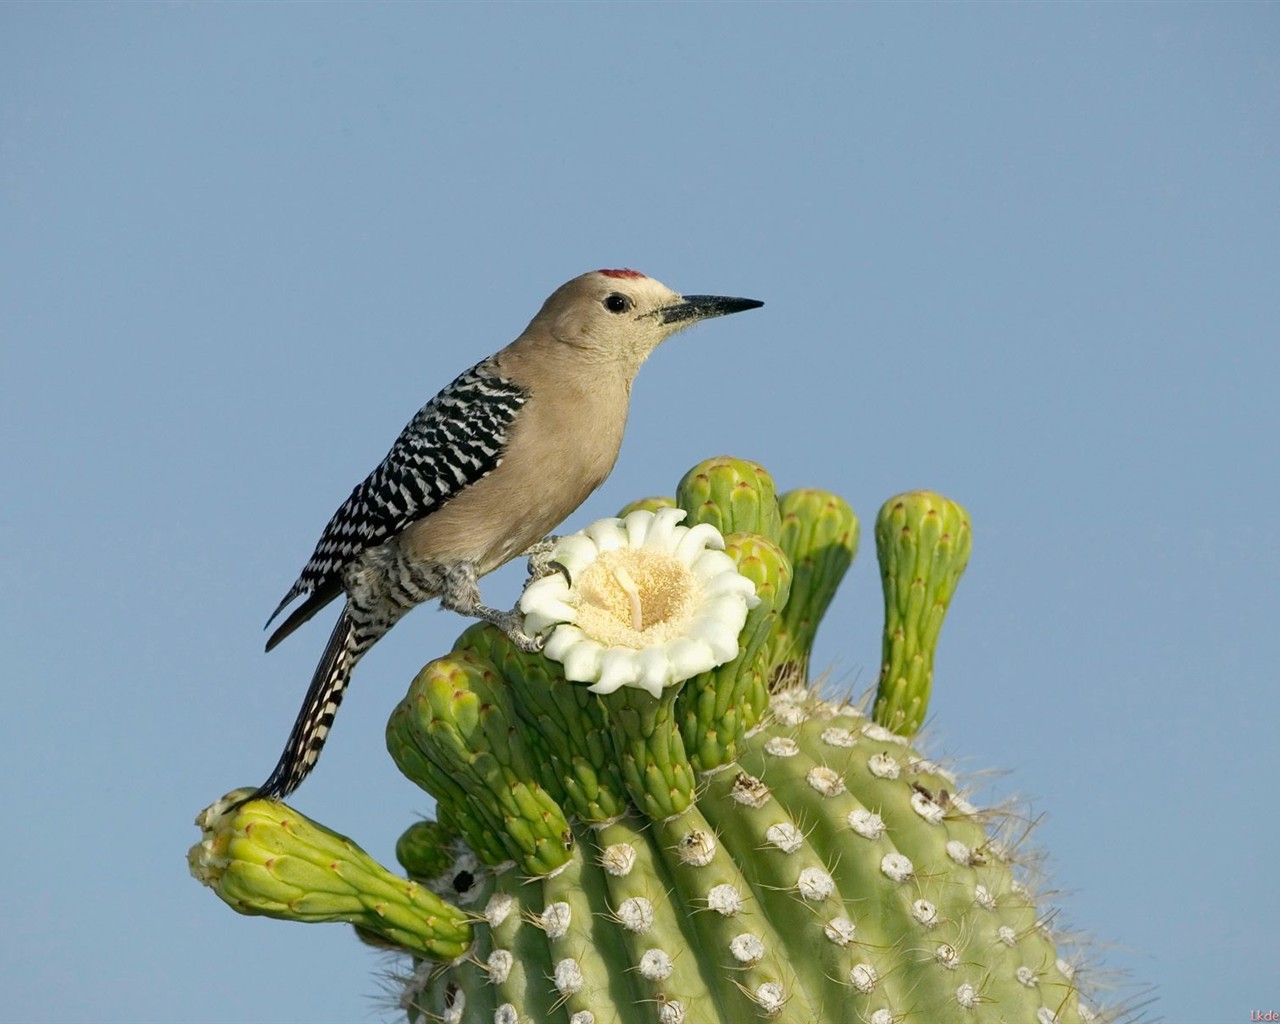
(634,597)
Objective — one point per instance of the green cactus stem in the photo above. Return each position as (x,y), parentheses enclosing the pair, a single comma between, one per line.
(263,858)
(737,848)
(923,542)
(717,708)
(650,750)
(457,734)
(563,721)
(819,534)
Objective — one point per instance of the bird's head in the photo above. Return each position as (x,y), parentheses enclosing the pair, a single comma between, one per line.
(622,315)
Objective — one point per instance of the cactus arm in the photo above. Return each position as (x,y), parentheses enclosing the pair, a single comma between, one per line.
(733,495)
(519,963)
(819,535)
(794,887)
(923,541)
(461,990)
(424,850)
(457,718)
(565,720)
(814,783)
(263,858)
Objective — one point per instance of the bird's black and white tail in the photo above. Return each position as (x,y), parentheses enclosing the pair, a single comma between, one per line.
(346,644)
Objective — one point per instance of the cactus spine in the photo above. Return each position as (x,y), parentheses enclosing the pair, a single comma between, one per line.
(738,848)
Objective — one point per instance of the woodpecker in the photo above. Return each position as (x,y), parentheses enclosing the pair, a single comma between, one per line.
(481,474)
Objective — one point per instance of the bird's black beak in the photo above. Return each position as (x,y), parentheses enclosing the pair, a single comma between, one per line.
(703,307)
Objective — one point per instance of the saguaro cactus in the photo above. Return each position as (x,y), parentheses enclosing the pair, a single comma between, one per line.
(672,823)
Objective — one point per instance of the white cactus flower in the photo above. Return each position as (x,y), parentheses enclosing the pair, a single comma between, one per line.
(651,603)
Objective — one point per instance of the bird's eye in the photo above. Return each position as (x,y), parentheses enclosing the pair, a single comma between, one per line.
(616,303)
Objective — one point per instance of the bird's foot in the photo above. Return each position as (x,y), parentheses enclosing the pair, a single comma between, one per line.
(527,644)
(511,623)
(461,594)
(542,564)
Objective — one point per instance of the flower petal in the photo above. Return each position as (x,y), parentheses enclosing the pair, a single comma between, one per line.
(618,667)
(730,583)
(607,534)
(579,654)
(689,657)
(655,669)
(711,563)
(575,552)
(666,532)
(700,538)
(582,664)
(721,637)
(730,610)
(637,524)
(546,602)
(562,640)
(543,612)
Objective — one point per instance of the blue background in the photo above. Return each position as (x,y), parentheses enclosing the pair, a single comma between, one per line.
(1025,255)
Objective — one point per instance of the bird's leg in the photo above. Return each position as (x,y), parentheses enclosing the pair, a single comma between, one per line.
(461,594)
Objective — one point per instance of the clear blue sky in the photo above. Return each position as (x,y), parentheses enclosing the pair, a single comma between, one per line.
(1024,254)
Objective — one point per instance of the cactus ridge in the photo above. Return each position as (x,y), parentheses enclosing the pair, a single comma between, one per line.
(738,848)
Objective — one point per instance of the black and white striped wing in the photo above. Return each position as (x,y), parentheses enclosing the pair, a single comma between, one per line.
(457,438)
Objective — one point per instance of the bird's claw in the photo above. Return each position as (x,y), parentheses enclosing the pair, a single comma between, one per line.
(527,644)
(512,623)
(540,561)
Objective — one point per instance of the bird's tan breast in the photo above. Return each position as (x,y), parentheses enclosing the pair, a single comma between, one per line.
(560,451)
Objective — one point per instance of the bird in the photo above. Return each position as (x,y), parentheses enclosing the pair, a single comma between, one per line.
(480,475)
